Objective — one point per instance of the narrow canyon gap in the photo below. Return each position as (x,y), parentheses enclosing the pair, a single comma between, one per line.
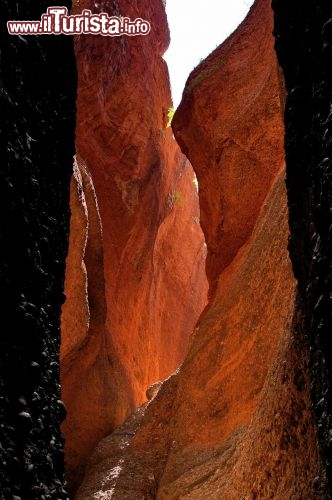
(248,413)
(236,421)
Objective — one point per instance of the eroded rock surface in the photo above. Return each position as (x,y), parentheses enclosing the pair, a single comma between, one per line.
(231,105)
(94,385)
(136,279)
(236,420)
(234,369)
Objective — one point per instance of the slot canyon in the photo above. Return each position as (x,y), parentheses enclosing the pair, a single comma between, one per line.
(166,288)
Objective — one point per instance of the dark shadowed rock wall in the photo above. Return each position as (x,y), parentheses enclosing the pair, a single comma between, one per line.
(37,120)
(304,46)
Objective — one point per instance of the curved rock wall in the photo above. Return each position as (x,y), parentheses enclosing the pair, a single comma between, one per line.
(229,125)
(236,420)
(136,279)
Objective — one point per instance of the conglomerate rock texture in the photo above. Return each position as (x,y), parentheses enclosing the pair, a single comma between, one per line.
(304,47)
(136,280)
(235,422)
(37,125)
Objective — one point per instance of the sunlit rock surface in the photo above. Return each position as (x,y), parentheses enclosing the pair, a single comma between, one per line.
(136,279)
(235,421)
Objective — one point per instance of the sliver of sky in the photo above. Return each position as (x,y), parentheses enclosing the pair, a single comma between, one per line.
(197,28)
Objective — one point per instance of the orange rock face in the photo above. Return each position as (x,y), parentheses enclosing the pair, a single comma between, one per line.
(231,105)
(235,422)
(136,279)
(91,373)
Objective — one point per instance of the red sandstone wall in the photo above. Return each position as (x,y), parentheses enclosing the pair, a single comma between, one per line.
(235,421)
(231,105)
(136,268)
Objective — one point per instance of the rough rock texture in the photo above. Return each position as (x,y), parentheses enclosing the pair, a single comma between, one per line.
(231,104)
(235,422)
(94,376)
(304,47)
(195,451)
(37,124)
(105,466)
(136,280)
